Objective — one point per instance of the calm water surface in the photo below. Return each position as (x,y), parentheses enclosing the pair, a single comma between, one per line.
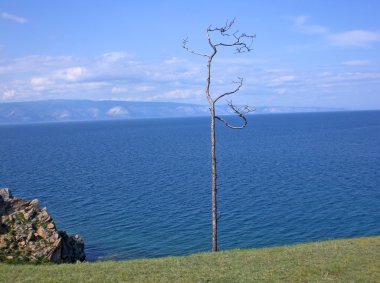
(142,188)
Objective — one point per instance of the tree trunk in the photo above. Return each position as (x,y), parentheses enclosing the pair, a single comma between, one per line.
(240,45)
(213,186)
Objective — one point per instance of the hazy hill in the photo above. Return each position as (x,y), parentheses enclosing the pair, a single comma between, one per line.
(87,110)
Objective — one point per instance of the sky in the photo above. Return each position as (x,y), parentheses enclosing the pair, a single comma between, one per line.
(323,53)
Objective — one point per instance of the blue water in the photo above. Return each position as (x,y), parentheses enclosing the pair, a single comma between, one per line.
(141,188)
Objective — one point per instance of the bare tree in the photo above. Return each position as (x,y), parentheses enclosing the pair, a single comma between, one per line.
(242,43)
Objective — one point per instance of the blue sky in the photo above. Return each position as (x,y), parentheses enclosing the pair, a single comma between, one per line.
(306,53)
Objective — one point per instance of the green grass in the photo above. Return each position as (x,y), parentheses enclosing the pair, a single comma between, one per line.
(352,260)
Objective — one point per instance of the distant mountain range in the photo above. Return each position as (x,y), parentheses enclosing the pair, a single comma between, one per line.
(88,110)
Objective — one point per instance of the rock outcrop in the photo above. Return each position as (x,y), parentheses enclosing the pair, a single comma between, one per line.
(28,234)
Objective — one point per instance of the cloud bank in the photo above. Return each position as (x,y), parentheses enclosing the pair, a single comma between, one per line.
(351,38)
(120,76)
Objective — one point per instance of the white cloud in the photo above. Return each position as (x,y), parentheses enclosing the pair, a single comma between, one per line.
(119,89)
(36,64)
(353,77)
(274,70)
(43,77)
(356,62)
(176,94)
(40,83)
(301,25)
(71,74)
(283,79)
(91,85)
(354,38)
(13,18)
(58,77)
(114,56)
(174,60)
(144,88)
(117,111)
(300,20)
(280,90)
(63,114)
(8,94)
(37,81)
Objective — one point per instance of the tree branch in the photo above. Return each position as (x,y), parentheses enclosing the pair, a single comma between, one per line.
(240,83)
(240,112)
(223,30)
(184,45)
(241,45)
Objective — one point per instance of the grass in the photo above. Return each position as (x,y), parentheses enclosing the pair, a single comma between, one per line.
(351,260)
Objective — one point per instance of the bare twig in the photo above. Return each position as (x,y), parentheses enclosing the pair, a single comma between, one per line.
(239,85)
(241,111)
(223,30)
(241,45)
(184,45)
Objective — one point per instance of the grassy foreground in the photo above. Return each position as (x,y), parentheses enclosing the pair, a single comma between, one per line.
(352,260)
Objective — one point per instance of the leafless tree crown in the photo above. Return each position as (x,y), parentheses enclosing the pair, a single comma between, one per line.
(242,43)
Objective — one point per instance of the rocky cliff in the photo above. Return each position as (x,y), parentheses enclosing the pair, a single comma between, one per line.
(28,234)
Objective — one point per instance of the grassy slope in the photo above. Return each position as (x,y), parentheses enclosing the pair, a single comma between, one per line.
(352,260)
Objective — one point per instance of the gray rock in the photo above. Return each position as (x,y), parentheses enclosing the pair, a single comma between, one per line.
(5,194)
(28,233)
(72,248)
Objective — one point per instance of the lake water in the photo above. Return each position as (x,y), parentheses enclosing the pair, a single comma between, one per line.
(141,188)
